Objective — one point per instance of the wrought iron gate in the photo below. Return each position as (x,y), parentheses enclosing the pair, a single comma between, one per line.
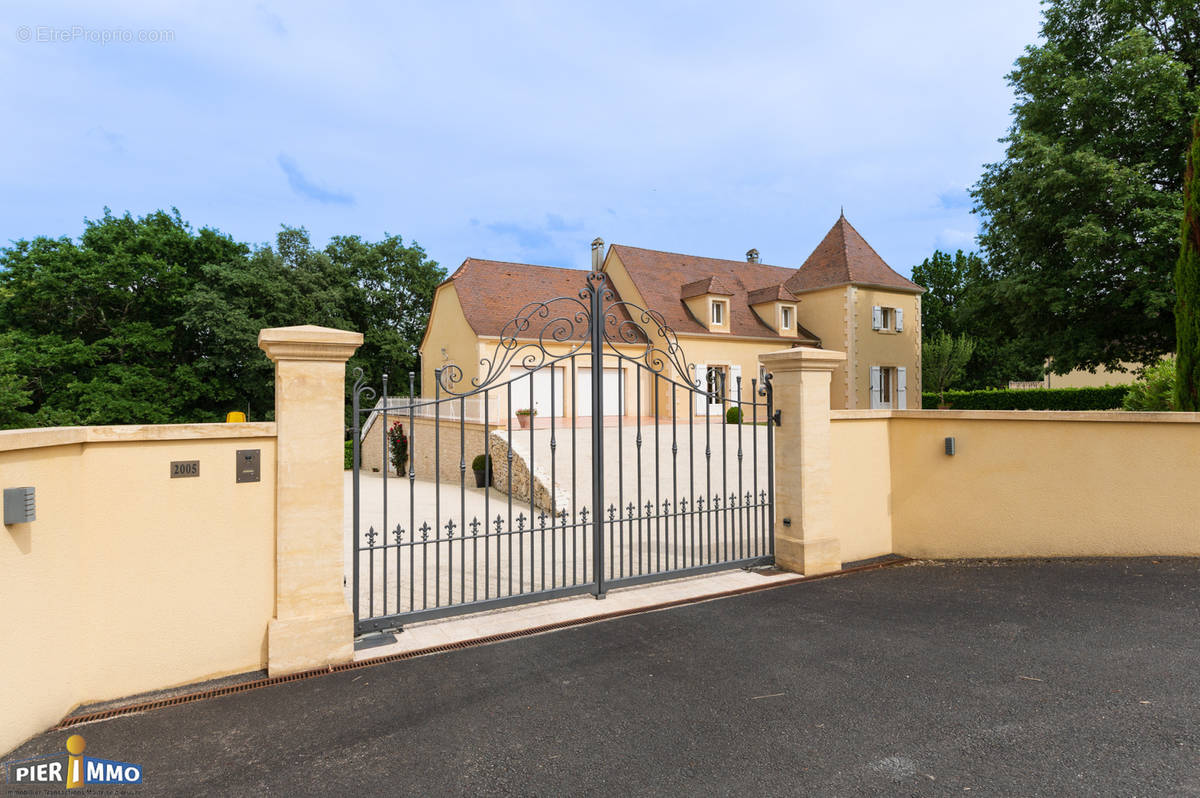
(684,485)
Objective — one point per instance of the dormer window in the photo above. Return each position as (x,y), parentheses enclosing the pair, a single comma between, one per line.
(718,312)
(785,318)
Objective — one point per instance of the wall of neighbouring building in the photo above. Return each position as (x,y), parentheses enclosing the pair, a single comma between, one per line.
(1080,378)
(1021,483)
(129,580)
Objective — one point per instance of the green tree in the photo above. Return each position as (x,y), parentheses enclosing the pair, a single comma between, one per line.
(1187,285)
(1079,220)
(959,302)
(149,321)
(944,360)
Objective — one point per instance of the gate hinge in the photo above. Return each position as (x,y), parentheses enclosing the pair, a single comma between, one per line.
(778,418)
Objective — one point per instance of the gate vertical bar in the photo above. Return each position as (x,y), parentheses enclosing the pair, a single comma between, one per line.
(770,530)
(412,489)
(357,510)
(596,287)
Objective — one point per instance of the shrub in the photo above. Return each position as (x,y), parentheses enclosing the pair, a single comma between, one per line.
(733,415)
(1154,389)
(398,444)
(1107,398)
(349,455)
(527,411)
(480,462)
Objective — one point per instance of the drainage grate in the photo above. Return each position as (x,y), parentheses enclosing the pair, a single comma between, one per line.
(134,709)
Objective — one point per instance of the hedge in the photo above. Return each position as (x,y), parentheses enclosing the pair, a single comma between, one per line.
(349,455)
(1107,398)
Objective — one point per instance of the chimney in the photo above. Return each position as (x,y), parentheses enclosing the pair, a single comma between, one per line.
(597,254)
(752,256)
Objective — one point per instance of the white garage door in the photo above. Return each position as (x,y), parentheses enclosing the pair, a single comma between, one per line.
(613,392)
(541,390)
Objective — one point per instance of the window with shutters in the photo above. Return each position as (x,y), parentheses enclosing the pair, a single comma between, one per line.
(887,319)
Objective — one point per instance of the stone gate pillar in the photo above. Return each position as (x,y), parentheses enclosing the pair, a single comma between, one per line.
(805,540)
(312,626)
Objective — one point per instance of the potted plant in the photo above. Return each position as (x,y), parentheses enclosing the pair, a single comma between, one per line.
(524,415)
(482,466)
(398,448)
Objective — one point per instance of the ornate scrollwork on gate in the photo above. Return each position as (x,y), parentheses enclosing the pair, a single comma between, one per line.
(524,340)
(361,389)
(527,338)
(655,343)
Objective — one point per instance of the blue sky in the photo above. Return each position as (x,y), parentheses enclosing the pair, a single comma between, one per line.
(513,131)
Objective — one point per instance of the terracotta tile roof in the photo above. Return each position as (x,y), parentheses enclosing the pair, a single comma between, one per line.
(709,285)
(842,258)
(492,293)
(660,276)
(770,293)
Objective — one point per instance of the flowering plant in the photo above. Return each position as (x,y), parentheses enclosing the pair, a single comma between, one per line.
(398,446)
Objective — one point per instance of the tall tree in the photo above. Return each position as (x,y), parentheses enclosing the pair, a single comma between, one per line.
(959,301)
(1080,218)
(149,321)
(1187,285)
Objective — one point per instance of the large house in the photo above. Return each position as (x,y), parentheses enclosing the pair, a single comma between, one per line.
(723,312)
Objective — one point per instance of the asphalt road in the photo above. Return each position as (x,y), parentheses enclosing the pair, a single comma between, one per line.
(1033,678)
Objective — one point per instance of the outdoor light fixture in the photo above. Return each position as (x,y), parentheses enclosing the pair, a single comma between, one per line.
(950,446)
(18,506)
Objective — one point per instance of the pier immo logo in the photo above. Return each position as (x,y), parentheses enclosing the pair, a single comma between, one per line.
(70,769)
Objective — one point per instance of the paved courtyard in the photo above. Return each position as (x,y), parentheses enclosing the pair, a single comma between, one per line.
(1014,678)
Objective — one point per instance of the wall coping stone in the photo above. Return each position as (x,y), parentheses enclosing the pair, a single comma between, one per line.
(1110,416)
(14,439)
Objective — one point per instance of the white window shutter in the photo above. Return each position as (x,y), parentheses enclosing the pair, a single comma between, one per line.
(899,319)
(875,387)
(701,395)
(735,384)
(876,318)
(901,387)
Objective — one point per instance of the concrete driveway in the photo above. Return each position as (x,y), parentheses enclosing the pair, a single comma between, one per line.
(1019,678)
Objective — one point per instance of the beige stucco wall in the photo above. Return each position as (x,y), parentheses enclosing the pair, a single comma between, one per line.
(862,487)
(1021,484)
(882,348)
(1046,484)
(129,580)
